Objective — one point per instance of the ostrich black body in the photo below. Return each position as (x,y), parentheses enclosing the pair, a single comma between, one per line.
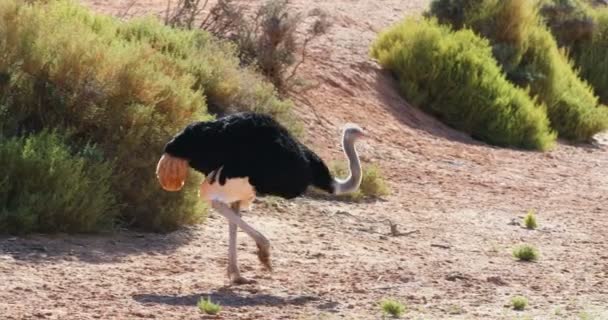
(254,146)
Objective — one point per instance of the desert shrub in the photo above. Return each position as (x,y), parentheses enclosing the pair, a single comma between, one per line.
(531,58)
(373,183)
(454,76)
(525,252)
(214,65)
(46,186)
(125,86)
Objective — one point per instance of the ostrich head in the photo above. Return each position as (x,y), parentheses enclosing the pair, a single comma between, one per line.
(353,132)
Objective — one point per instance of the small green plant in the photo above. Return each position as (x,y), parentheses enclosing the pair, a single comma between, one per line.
(455,309)
(526,252)
(519,303)
(530,220)
(393,308)
(209,307)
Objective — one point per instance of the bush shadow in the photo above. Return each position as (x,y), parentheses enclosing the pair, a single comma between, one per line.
(91,248)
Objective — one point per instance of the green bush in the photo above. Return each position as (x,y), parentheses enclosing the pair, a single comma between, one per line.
(590,56)
(47,187)
(125,86)
(454,76)
(531,58)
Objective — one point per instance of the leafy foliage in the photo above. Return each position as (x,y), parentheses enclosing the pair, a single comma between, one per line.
(454,76)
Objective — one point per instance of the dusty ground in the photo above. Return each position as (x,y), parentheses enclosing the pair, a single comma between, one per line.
(460,200)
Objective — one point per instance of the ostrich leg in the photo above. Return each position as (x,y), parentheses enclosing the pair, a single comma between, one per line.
(234,273)
(261,241)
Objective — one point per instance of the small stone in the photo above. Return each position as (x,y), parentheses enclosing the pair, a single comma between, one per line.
(497,281)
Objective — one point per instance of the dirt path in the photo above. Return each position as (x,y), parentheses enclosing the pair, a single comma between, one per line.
(336,260)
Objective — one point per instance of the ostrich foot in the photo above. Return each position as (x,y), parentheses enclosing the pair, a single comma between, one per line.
(238,280)
(235,276)
(264,255)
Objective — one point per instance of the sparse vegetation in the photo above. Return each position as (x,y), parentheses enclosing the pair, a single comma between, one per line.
(530,220)
(392,308)
(373,183)
(208,307)
(454,76)
(125,87)
(531,58)
(519,303)
(526,252)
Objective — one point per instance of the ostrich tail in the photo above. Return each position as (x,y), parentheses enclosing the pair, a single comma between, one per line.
(171,172)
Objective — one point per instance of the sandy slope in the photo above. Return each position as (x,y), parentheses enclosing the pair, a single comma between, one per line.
(335,259)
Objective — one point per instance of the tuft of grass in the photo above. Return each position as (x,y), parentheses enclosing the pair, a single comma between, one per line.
(393,308)
(519,302)
(373,183)
(526,252)
(454,76)
(530,220)
(208,307)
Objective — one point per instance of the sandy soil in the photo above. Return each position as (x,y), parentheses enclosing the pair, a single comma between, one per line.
(460,204)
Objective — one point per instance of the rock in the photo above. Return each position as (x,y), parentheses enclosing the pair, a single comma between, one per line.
(497,281)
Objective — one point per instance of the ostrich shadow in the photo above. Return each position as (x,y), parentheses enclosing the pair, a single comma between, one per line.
(225,297)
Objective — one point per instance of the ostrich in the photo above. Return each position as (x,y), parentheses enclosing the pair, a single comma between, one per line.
(245,154)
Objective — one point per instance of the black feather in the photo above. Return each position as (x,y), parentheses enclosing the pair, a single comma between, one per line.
(254,146)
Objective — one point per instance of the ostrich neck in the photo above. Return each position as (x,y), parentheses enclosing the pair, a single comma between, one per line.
(352,182)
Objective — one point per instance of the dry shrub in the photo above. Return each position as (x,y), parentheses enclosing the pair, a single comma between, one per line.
(267,39)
